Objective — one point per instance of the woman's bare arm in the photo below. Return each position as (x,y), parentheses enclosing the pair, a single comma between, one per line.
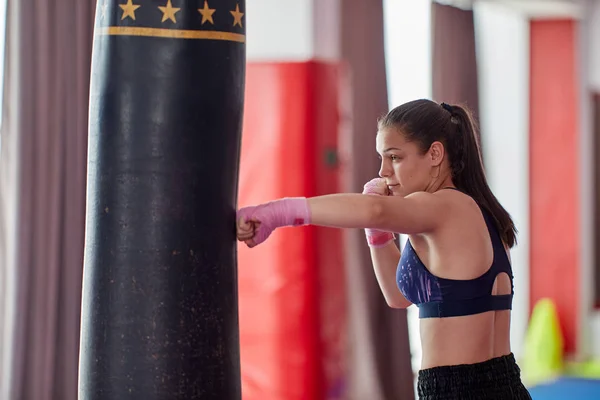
(385,261)
(417,213)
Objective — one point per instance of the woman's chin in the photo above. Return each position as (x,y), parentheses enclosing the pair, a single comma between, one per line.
(396,191)
(399,191)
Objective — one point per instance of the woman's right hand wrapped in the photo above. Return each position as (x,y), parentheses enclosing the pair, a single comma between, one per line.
(375,238)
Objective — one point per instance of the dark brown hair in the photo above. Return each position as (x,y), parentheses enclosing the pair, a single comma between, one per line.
(424,122)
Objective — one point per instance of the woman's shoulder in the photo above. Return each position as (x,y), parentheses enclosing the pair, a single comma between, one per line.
(461,209)
(455,198)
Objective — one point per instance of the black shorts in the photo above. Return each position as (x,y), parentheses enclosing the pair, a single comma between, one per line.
(495,379)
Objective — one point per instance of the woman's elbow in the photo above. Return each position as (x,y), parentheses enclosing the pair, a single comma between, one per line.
(384,215)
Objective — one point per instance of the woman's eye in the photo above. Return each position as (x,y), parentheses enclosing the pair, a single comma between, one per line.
(394,158)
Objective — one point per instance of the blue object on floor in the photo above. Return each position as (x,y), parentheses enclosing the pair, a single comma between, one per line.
(567,389)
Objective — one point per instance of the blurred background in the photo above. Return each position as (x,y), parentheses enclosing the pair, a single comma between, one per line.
(313,324)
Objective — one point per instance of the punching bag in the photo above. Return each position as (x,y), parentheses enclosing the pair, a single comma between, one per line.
(160,306)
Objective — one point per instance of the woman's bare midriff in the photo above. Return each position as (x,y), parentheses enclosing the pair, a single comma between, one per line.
(464,340)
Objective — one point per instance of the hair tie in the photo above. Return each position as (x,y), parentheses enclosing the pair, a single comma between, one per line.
(447,107)
(453,118)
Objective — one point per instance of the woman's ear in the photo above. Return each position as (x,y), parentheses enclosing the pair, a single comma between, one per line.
(436,154)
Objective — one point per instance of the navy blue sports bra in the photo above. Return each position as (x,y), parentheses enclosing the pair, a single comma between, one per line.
(438,297)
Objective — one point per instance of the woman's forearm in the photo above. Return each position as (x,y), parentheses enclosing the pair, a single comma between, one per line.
(385,261)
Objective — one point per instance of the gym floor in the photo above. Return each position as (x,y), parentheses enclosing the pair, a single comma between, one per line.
(567,389)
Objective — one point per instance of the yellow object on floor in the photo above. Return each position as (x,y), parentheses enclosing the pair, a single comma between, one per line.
(587,369)
(543,353)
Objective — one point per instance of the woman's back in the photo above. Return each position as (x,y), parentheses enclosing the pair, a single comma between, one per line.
(462,249)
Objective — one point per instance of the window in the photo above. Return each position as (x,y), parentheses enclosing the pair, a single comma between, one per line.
(408,70)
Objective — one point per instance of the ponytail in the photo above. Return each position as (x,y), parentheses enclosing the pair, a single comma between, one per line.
(468,173)
(424,122)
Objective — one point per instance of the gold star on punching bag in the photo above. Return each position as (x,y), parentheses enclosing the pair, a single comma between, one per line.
(237,16)
(129,9)
(207,13)
(169,12)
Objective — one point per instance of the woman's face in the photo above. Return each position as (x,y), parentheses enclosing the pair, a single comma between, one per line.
(405,169)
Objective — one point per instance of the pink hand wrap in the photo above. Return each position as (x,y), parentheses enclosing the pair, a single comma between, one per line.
(291,211)
(377,238)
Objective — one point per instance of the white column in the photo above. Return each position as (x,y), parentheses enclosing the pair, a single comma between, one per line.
(9,199)
(502,42)
(409,77)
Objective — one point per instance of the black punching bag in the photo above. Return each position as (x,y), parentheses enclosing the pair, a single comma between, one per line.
(160,306)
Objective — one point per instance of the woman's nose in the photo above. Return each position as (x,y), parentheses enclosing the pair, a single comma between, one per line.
(384,171)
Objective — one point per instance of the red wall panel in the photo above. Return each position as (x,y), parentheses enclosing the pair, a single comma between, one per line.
(554,171)
(291,288)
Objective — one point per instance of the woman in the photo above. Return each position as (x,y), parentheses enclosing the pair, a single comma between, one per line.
(455,266)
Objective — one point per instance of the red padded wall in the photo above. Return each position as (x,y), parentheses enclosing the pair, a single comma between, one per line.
(554,171)
(291,288)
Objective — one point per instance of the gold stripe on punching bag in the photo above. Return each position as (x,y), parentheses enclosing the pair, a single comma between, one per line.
(160,306)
